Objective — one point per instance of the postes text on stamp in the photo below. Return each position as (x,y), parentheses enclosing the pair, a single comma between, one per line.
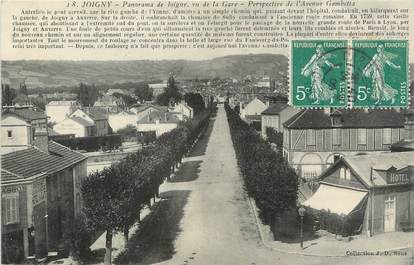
(318,73)
(380,73)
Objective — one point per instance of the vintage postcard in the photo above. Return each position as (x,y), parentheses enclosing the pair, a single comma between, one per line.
(245,132)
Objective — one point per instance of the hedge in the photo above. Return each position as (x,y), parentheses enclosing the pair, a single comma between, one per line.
(93,143)
(268,178)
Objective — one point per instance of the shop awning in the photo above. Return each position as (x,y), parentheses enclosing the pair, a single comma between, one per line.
(335,199)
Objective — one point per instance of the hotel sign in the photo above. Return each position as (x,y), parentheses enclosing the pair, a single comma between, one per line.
(399,178)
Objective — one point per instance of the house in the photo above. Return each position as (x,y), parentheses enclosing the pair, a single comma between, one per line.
(184,108)
(254,109)
(275,115)
(40,193)
(158,88)
(158,122)
(122,119)
(143,110)
(313,139)
(57,111)
(110,103)
(95,116)
(20,128)
(377,187)
(77,126)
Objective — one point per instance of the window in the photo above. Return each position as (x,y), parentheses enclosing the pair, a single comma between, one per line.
(362,136)
(310,137)
(348,174)
(11,204)
(386,136)
(342,173)
(9,134)
(336,137)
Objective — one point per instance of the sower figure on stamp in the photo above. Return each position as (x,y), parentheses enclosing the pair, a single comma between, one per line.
(375,70)
(320,90)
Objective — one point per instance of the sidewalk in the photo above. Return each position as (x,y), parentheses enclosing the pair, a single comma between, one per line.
(327,245)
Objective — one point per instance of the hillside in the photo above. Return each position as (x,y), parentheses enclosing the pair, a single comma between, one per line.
(71,73)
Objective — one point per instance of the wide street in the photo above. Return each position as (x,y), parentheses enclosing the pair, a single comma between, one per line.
(205,218)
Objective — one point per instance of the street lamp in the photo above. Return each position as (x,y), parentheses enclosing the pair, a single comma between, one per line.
(301,212)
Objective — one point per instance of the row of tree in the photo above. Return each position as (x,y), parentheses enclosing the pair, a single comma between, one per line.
(268,178)
(114,197)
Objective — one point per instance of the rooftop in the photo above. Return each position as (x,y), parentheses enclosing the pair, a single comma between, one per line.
(27,114)
(62,103)
(275,108)
(362,165)
(354,118)
(32,161)
(161,116)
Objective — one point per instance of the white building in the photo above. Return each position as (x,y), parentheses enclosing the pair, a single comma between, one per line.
(59,110)
(75,125)
(275,115)
(158,122)
(94,116)
(122,119)
(183,108)
(254,108)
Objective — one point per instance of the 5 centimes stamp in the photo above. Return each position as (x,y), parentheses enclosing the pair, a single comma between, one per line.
(318,73)
(380,73)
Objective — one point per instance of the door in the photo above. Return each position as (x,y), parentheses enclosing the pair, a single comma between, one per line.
(389,214)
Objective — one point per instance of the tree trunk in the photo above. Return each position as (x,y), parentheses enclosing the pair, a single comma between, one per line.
(158,192)
(108,248)
(126,234)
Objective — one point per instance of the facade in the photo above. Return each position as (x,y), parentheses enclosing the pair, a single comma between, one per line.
(254,108)
(75,126)
(20,128)
(40,195)
(96,117)
(110,103)
(122,119)
(159,122)
(379,185)
(315,139)
(57,111)
(275,115)
(183,108)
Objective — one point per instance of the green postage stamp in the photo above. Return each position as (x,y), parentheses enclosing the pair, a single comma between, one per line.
(318,73)
(380,73)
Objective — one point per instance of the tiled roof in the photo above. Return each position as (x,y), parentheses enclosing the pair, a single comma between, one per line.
(274,109)
(7,175)
(144,107)
(32,161)
(62,103)
(161,116)
(96,114)
(362,165)
(27,114)
(355,118)
(81,121)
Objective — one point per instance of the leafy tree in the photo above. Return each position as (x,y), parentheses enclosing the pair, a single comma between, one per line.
(87,95)
(23,89)
(269,179)
(194,100)
(275,137)
(7,95)
(101,195)
(171,93)
(143,92)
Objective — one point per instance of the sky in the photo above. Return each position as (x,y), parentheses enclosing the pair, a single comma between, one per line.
(8,7)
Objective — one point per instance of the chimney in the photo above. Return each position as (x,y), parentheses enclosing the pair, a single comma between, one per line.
(409,124)
(41,141)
